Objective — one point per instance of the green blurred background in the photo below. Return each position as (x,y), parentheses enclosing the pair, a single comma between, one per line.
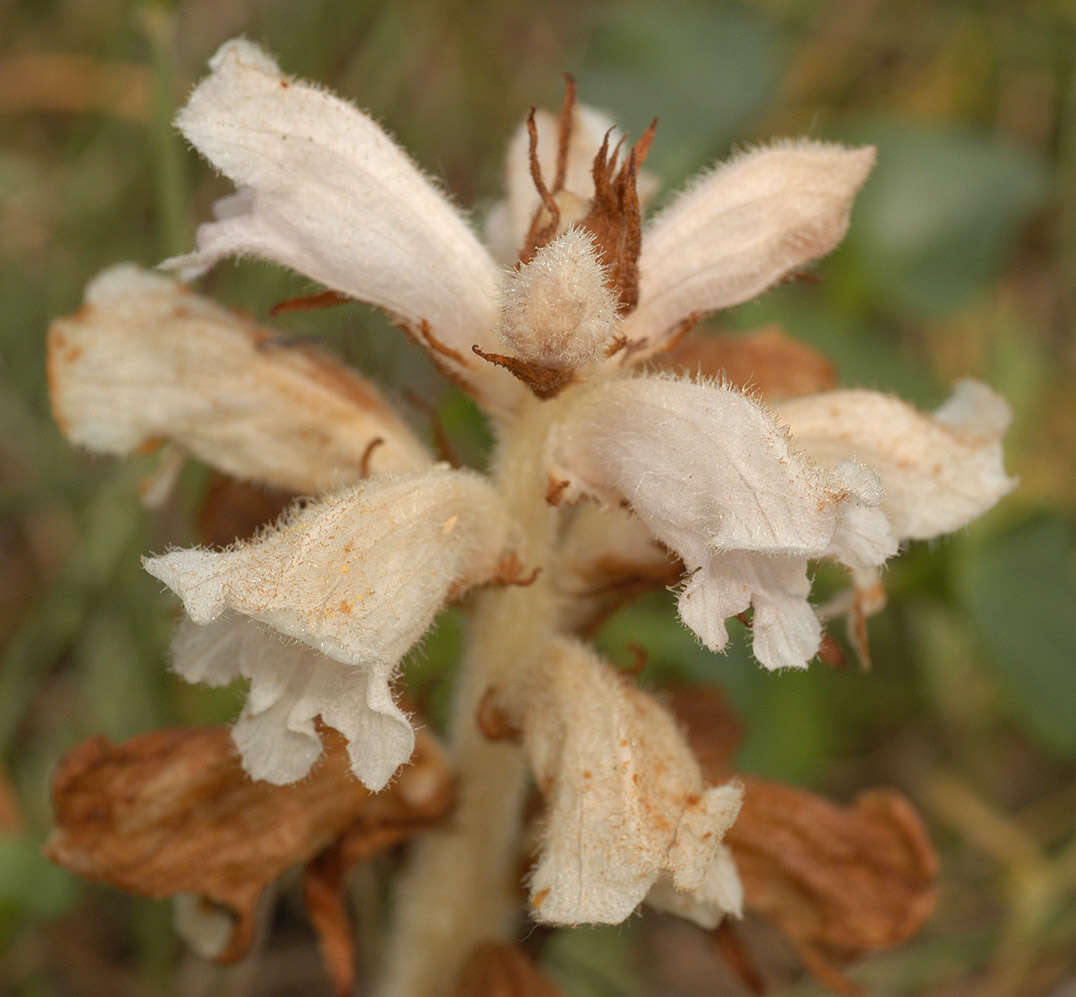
(961,261)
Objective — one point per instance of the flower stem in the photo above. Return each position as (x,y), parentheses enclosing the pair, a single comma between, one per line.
(463,885)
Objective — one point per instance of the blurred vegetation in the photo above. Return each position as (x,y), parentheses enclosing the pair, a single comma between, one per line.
(961,261)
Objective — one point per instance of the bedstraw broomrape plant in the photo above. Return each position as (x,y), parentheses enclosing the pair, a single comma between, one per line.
(610,473)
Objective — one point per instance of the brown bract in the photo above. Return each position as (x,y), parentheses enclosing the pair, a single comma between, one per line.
(613,217)
(500,969)
(837,881)
(765,360)
(172,812)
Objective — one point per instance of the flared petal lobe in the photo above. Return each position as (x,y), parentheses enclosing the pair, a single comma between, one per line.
(939,472)
(146,360)
(358,578)
(291,685)
(739,230)
(715,479)
(628,812)
(323,190)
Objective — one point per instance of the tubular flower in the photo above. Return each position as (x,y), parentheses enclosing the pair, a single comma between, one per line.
(605,479)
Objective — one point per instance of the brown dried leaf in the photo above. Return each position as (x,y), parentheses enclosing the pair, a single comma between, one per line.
(608,558)
(501,969)
(235,510)
(713,729)
(838,881)
(323,893)
(172,812)
(766,360)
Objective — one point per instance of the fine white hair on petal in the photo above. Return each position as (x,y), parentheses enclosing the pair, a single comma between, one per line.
(326,192)
(740,229)
(146,360)
(556,310)
(716,479)
(938,472)
(291,684)
(358,577)
(627,806)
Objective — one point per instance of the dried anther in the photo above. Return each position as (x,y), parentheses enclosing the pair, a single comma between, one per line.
(173,812)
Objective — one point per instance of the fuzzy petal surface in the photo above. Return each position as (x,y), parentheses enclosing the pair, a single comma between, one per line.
(627,805)
(325,191)
(716,479)
(146,360)
(738,230)
(290,685)
(938,471)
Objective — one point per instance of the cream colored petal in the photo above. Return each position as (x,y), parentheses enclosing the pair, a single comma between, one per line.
(325,191)
(291,684)
(740,229)
(359,574)
(713,476)
(626,801)
(938,471)
(145,360)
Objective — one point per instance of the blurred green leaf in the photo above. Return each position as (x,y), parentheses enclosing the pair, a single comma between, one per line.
(595,961)
(1019,590)
(941,211)
(726,66)
(31,887)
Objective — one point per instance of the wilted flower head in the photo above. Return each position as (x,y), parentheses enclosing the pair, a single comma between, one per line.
(600,461)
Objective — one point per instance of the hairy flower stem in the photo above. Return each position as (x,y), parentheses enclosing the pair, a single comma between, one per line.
(462,886)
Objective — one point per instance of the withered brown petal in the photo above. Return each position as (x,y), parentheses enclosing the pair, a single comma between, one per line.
(766,360)
(501,969)
(173,812)
(323,881)
(838,881)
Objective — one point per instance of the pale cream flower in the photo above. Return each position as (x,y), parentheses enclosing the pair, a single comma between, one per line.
(358,578)
(629,816)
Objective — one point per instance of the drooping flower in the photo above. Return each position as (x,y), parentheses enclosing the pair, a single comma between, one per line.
(318,611)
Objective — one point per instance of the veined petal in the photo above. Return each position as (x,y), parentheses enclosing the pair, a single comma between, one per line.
(358,577)
(325,191)
(146,360)
(627,805)
(290,685)
(938,471)
(715,478)
(739,230)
